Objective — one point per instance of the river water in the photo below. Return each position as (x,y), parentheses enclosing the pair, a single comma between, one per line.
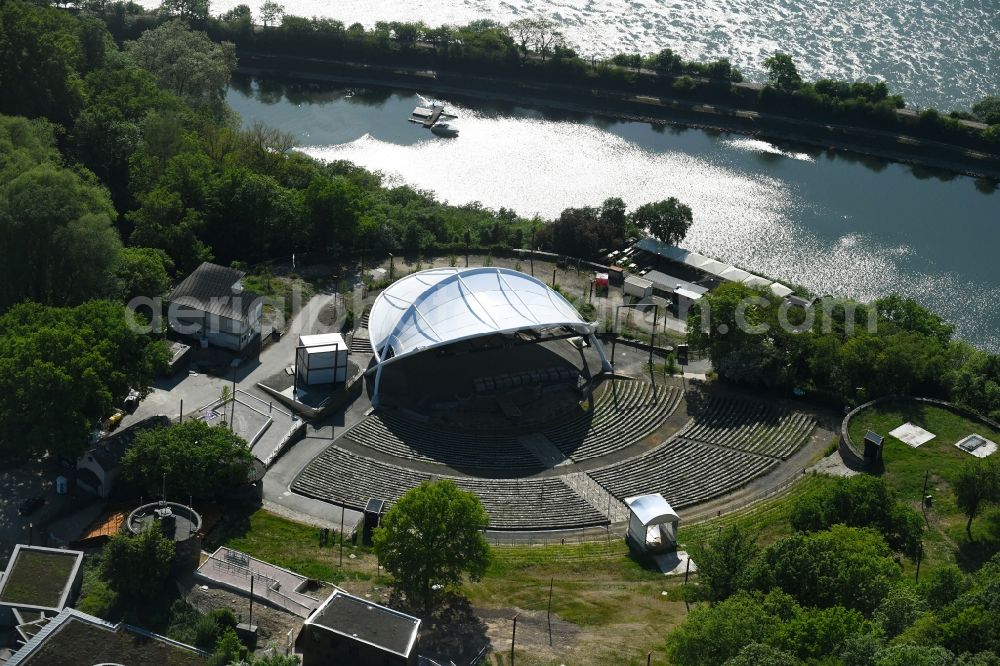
(833,222)
(944,53)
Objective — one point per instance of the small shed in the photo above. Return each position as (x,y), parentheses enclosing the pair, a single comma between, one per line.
(616,276)
(638,287)
(652,524)
(601,280)
(873,448)
(321,359)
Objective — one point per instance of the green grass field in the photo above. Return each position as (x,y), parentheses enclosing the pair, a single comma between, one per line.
(938,461)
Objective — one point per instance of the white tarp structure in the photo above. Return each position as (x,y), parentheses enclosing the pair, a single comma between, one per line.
(780,290)
(441,306)
(652,523)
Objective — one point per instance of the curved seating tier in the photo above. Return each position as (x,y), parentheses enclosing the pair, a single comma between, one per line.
(625,412)
(403,438)
(344,478)
(684,471)
(751,426)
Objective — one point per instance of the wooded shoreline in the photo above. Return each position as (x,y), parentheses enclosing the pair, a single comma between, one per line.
(875,143)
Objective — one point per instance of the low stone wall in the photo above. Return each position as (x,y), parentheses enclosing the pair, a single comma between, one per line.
(849,451)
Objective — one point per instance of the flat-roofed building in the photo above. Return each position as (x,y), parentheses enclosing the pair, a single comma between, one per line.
(38,583)
(350,630)
(74,638)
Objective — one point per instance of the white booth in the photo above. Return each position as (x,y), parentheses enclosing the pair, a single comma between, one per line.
(321,359)
(652,524)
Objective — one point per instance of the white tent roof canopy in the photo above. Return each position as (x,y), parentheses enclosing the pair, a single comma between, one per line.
(652,509)
(441,306)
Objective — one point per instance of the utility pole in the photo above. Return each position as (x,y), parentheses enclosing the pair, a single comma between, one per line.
(549,611)
(341,536)
(180,418)
(232,408)
(513,635)
(251,599)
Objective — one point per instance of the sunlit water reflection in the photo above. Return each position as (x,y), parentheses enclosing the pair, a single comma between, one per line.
(944,53)
(833,223)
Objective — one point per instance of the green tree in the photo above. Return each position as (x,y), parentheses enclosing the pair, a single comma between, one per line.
(816,633)
(271,13)
(725,562)
(72,365)
(196,458)
(59,242)
(987,110)
(943,585)
(40,60)
(842,566)
(191,11)
(25,144)
(137,567)
(905,654)
(433,537)
(976,484)
(668,220)
(228,650)
(165,223)
(782,73)
(860,501)
(141,271)
(901,608)
(712,635)
(185,62)
(760,654)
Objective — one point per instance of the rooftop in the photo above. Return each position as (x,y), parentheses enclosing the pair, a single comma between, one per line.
(216,290)
(441,306)
(109,451)
(666,282)
(39,577)
(369,622)
(177,521)
(73,638)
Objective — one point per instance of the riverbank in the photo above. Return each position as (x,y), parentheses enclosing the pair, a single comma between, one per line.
(869,142)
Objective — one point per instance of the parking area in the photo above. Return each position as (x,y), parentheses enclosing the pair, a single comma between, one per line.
(17,485)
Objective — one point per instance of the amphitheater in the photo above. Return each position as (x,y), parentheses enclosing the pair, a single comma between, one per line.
(533,420)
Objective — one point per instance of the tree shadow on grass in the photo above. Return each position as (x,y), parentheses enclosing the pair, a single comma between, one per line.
(452,631)
(973,554)
(234,523)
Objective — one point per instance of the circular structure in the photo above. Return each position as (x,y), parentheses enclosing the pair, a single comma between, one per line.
(177,522)
(444,306)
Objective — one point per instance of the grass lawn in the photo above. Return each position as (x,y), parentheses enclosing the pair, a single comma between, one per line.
(294,546)
(939,459)
(38,578)
(620,607)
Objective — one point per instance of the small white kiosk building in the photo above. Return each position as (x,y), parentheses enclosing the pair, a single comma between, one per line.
(321,359)
(652,524)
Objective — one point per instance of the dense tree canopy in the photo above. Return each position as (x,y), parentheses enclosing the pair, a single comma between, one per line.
(41,57)
(781,71)
(63,369)
(193,459)
(433,537)
(137,567)
(667,220)
(860,501)
(185,62)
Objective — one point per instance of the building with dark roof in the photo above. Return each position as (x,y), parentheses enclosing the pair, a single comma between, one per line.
(98,467)
(346,629)
(211,306)
(73,638)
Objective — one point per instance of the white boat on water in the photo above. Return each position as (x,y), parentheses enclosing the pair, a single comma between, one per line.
(444,129)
